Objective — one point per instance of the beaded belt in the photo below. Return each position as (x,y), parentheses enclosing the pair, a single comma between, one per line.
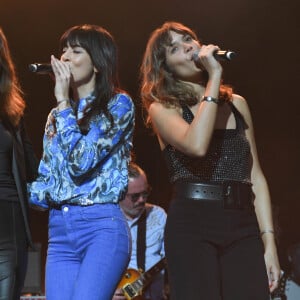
(58,205)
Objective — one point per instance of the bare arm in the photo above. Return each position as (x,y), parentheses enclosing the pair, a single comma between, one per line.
(262,202)
(191,139)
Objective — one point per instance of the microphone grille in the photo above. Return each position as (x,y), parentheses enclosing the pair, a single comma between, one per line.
(230,55)
(32,67)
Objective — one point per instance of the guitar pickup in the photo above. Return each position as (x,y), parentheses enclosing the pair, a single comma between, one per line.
(129,291)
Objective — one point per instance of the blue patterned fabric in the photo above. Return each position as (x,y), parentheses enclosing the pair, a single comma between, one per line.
(85,169)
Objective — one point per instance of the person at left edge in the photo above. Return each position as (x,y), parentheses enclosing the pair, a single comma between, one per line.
(18,165)
(83,172)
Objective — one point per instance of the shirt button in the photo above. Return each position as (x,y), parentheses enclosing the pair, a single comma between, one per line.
(66,209)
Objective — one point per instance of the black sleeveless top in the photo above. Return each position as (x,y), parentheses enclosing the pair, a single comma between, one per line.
(228,156)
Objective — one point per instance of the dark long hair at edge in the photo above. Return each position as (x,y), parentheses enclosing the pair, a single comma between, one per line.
(102,49)
(157,82)
(12,104)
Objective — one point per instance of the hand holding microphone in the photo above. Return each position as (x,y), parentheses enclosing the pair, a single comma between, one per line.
(220,55)
(60,72)
(208,58)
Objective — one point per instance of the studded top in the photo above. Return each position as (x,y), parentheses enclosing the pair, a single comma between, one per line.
(228,156)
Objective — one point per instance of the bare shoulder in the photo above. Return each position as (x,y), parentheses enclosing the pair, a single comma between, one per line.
(238,100)
(241,104)
(156,108)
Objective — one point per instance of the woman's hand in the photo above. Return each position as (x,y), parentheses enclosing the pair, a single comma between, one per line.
(62,75)
(273,269)
(207,59)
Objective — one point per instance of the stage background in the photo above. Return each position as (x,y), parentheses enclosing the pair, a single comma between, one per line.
(265,35)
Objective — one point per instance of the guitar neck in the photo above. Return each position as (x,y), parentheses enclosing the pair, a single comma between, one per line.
(148,276)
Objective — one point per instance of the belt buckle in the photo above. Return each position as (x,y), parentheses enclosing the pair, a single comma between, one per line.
(230,197)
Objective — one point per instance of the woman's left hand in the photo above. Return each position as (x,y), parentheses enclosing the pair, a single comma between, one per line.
(273,269)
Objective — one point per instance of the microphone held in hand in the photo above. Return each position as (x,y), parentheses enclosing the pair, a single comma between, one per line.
(38,68)
(219,55)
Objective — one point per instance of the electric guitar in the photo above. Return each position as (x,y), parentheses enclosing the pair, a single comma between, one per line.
(134,282)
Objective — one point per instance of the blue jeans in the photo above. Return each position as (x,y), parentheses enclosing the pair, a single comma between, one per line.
(88,251)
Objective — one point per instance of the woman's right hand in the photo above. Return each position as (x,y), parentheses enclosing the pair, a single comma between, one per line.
(207,59)
(62,75)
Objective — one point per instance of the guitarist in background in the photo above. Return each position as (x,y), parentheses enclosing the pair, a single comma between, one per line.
(146,222)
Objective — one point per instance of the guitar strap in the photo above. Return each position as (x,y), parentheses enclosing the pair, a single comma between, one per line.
(141,241)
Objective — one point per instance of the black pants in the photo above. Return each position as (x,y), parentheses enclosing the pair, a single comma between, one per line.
(214,253)
(13,251)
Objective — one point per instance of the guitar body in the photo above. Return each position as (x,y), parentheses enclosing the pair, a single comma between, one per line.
(130,276)
(134,282)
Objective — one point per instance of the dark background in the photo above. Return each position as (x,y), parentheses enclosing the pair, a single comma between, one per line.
(264,33)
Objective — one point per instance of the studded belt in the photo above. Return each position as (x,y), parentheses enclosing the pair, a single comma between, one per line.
(233,194)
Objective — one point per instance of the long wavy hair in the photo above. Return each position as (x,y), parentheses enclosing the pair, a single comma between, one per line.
(12,104)
(157,82)
(102,49)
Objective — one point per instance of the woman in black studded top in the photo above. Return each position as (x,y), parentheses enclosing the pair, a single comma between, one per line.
(219,235)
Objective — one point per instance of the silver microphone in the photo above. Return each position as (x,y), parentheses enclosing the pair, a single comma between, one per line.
(40,68)
(219,55)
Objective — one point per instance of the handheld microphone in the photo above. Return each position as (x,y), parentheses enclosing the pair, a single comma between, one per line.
(40,68)
(219,55)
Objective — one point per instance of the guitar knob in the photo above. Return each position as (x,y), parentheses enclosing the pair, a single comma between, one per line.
(127,275)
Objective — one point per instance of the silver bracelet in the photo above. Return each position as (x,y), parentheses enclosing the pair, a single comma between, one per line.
(267,231)
(211,99)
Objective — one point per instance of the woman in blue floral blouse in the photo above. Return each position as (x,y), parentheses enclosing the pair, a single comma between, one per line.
(83,171)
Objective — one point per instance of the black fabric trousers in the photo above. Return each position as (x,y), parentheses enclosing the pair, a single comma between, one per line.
(13,250)
(214,253)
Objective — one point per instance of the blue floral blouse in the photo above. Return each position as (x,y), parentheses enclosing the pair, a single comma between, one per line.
(85,169)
